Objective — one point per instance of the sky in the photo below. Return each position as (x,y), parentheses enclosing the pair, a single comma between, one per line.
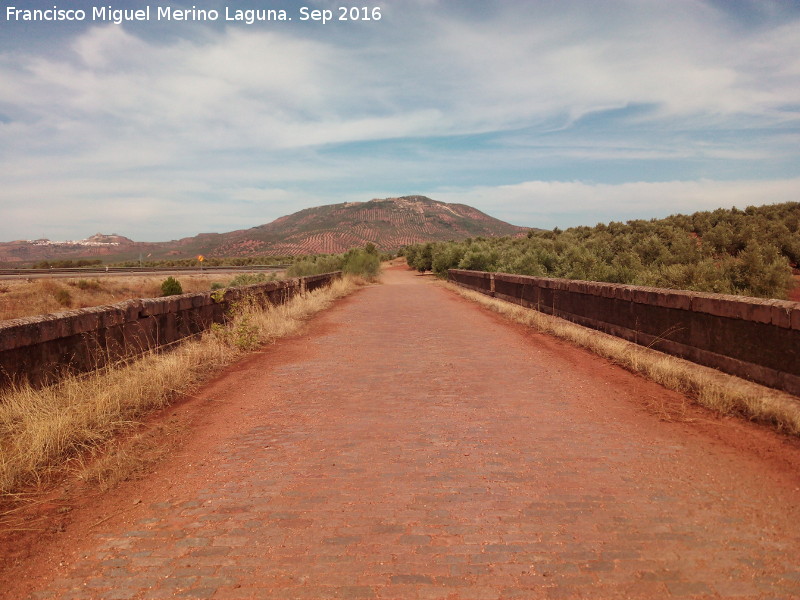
(542,113)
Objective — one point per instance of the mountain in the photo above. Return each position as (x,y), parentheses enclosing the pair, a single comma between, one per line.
(97,246)
(389,223)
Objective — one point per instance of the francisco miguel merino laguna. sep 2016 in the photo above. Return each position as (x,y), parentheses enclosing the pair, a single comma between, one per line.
(109,14)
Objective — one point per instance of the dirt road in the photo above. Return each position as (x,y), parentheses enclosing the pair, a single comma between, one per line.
(410,445)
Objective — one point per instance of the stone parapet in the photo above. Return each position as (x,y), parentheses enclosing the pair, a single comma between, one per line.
(40,349)
(753,338)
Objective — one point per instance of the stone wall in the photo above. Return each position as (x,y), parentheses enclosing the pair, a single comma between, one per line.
(749,337)
(40,349)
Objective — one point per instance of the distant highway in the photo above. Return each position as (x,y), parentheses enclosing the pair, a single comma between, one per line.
(121,271)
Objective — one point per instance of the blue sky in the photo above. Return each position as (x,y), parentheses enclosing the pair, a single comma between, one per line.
(540,113)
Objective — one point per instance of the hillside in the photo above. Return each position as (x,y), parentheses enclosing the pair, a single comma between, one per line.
(98,246)
(389,223)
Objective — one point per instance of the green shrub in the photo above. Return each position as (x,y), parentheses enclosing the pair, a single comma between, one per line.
(362,262)
(763,271)
(748,252)
(239,331)
(303,268)
(315,265)
(249,279)
(420,257)
(66,264)
(479,258)
(357,261)
(243,332)
(171,287)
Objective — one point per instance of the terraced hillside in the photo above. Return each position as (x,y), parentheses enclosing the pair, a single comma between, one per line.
(389,223)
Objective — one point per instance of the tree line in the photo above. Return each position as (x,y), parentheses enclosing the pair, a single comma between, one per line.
(749,252)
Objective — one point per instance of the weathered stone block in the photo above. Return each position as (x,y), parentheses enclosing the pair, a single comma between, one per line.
(714,305)
(795,318)
(111,317)
(608,291)
(154,306)
(131,308)
(51,327)
(782,314)
(203,299)
(677,300)
(624,292)
(505,278)
(582,287)
(184,301)
(758,310)
(18,333)
(86,321)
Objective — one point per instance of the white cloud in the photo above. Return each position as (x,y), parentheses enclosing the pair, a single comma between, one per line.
(271,89)
(588,56)
(251,123)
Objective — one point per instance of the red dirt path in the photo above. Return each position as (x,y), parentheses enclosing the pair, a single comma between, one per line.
(410,445)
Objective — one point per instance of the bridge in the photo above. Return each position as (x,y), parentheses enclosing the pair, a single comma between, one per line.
(409,444)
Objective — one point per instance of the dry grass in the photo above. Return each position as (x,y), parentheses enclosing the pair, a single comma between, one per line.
(21,298)
(723,393)
(42,430)
(127,458)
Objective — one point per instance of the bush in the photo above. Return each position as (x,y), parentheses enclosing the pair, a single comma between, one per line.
(763,271)
(171,287)
(241,332)
(747,252)
(420,257)
(66,264)
(63,297)
(250,279)
(356,261)
(315,265)
(362,262)
(303,268)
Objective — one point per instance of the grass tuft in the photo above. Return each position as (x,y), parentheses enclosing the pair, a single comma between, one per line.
(712,389)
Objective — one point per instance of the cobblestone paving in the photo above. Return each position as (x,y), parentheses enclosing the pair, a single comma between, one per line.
(423,449)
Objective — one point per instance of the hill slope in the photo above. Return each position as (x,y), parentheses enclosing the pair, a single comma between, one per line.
(388,223)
